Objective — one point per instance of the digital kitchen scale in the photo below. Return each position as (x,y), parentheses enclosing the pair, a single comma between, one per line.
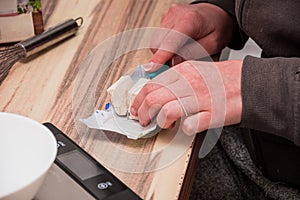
(76,175)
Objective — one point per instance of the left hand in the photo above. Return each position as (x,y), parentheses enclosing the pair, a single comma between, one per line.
(189,32)
(209,91)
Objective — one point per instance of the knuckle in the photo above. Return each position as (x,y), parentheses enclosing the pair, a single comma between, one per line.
(174,7)
(164,16)
(147,88)
(170,111)
(189,16)
(166,112)
(163,119)
(149,100)
(215,44)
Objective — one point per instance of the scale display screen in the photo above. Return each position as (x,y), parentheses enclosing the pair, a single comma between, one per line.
(79,164)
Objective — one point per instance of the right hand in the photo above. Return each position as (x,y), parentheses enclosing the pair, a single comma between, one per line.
(209,92)
(205,23)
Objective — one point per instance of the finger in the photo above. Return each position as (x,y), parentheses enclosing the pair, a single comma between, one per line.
(153,67)
(169,46)
(160,57)
(152,103)
(140,97)
(162,80)
(197,123)
(191,51)
(157,99)
(158,38)
(169,113)
(174,110)
(194,50)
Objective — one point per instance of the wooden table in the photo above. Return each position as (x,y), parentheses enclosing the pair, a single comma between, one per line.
(46,89)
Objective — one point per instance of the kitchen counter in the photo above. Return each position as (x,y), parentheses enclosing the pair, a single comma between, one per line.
(57,86)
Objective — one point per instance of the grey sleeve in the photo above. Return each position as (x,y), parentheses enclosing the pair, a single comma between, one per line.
(271,96)
(239,38)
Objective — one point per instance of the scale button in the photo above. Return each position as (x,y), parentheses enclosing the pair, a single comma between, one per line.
(104,185)
(60,144)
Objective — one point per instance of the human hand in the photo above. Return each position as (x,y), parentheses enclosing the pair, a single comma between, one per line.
(184,25)
(210,93)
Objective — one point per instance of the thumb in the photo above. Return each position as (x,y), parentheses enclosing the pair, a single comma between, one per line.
(159,58)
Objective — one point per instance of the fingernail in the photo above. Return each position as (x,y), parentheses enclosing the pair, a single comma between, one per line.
(149,66)
(133,111)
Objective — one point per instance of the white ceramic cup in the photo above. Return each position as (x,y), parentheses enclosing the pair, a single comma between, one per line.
(27,151)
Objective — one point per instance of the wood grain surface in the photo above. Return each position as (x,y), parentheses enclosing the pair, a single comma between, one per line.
(61,86)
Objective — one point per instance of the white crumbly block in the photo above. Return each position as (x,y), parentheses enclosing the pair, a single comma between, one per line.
(134,91)
(119,94)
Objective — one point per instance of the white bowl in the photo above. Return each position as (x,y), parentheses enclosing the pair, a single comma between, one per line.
(27,151)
